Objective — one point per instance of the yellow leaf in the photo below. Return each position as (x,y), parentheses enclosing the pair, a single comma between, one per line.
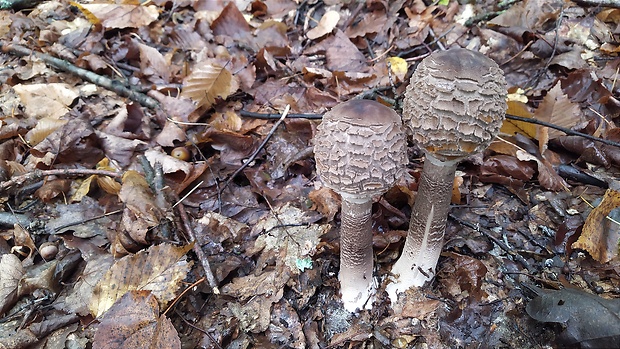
(83,190)
(514,126)
(398,66)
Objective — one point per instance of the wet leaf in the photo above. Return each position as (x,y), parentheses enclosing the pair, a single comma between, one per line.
(160,269)
(590,320)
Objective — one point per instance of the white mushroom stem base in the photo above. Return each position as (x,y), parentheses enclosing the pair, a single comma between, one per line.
(356,256)
(418,260)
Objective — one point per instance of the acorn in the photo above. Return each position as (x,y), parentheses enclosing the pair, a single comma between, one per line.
(181,153)
(48,250)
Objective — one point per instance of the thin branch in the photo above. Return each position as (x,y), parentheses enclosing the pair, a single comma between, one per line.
(508,116)
(602,3)
(563,129)
(202,257)
(273,116)
(99,80)
(40,174)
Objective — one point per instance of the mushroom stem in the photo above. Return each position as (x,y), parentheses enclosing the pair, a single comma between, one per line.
(426,228)
(356,255)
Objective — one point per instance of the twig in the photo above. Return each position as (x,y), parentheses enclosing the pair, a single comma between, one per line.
(187,289)
(272,116)
(563,129)
(260,147)
(39,174)
(202,257)
(508,116)
(105,82)
(495,240)
(602,3)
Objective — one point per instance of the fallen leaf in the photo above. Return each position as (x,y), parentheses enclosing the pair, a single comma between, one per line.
(327,23)
(141,211)
(590,320)
(114,16)
(557,109)
(11,271)
(512,127)
(134,322)
(159,269)
(46,100)
(207,82)
(600,235)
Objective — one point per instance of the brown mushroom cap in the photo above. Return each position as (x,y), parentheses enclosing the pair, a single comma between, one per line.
(455,103)
(360,149)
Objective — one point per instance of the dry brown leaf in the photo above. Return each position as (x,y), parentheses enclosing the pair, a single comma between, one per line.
(600,235)
(153,64)
(325,201)
(134,322)
(159,269)
(141,210)
(98,262)
(44,128)
(11,271)
(231,23)
(327,23)
(22,238)
(557,109)
(207,82)
(123,16)
(46,100)
(52,189)
(74,142)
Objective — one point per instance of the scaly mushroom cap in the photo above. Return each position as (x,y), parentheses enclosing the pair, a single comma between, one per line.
(455,103)
(360,149)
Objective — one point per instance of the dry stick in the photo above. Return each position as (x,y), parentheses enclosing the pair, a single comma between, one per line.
(39,174)
(260,147)
(563,129)
(508,116)
(87,75)
(202,257)
(602,3)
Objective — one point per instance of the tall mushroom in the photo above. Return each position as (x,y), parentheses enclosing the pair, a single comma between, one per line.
(454,106)
(360,152)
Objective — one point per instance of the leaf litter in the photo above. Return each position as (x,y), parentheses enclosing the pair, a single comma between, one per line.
(269,234)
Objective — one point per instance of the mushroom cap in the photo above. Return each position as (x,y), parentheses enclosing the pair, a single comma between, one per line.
(455,103)
(360,149)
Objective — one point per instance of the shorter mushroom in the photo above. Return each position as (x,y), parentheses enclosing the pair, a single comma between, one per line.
(454,106)
(360,152)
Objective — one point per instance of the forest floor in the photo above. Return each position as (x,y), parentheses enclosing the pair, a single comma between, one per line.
(158,187)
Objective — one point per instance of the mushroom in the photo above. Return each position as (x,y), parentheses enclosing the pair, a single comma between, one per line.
(454,106)
(360,152)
